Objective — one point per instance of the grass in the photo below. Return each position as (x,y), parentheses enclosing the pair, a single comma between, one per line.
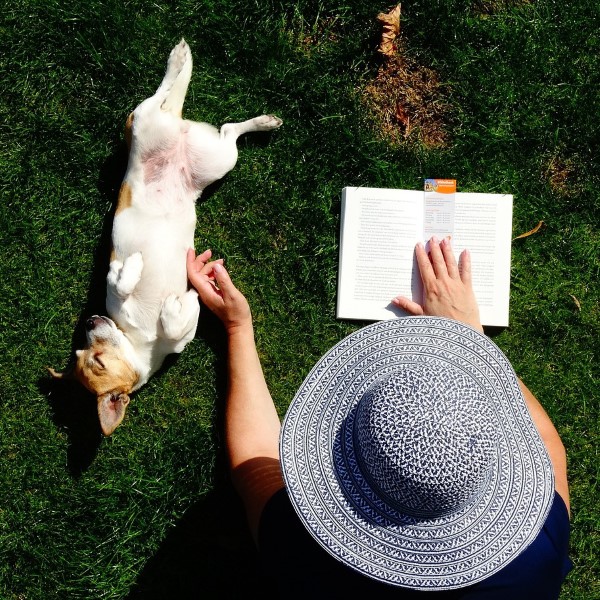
(149,512)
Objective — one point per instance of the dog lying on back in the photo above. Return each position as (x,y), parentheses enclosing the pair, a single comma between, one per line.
(152,311)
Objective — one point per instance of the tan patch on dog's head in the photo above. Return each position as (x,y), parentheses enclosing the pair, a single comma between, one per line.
(102,368)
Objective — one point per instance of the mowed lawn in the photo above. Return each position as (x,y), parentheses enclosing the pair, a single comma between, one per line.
(502,95)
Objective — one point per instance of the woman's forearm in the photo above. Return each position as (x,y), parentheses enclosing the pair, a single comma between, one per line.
(252,422)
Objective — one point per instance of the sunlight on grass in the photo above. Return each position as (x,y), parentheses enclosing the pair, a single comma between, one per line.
(501,95)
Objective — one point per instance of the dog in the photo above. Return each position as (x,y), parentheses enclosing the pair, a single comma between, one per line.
(152,311)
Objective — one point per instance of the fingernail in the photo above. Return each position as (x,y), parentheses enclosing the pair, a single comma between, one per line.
(434,239)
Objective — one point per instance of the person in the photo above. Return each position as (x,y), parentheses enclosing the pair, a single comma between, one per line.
(411,461)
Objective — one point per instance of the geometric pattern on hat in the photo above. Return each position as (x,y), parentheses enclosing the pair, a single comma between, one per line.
(409,454)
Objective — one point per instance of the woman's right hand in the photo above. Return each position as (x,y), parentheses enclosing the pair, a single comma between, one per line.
(447,286)
(216,290)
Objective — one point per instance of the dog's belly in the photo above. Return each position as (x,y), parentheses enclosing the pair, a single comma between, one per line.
(182,167)
(163,240)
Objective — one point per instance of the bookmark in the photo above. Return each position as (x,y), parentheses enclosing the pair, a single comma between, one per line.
(439,208)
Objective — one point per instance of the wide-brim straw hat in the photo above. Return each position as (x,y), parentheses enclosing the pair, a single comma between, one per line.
(409,454)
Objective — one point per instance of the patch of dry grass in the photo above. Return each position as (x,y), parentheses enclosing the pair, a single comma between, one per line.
(562,176)
(407,102)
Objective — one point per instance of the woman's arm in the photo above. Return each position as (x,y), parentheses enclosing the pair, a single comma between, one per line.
(252,424)
(552,441)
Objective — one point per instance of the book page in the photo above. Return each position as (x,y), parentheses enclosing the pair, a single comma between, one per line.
(483,225)
(379,230)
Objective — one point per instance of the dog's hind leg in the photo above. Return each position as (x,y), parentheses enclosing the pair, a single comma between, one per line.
(210,162)
(171,92)
(263,123)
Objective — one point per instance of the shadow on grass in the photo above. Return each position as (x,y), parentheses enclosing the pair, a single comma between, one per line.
(75,410)
(73,407)
(209,554)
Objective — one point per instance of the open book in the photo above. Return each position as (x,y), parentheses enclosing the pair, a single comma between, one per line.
(379,230)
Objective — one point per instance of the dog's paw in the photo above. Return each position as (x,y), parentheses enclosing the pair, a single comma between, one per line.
(170,317)
(179,316)
(123,277)
(113,273)
(171,307)
(174,86)
(268,122)
(178,57)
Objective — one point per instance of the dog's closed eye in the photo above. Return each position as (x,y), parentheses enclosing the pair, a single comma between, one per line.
(98,361)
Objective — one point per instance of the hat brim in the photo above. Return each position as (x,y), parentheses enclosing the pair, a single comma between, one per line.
(337,505)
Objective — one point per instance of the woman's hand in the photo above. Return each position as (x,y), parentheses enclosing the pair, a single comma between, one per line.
(447,287)
(217,291)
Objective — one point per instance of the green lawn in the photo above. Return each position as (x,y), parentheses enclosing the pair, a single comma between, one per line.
(512,89)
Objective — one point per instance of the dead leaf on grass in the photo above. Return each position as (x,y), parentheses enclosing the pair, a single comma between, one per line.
(406,102)
(530,232)
(403,118)
(563,175)
(391,30)
(577,303)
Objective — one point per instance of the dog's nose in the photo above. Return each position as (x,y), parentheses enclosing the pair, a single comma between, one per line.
(92,322)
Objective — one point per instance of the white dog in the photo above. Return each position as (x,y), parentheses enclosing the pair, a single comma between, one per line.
(153,313)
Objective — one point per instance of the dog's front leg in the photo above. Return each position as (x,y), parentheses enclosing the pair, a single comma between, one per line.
(123,277)
(179,317)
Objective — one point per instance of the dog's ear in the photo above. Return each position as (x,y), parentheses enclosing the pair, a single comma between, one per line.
(111,410)
(67,374)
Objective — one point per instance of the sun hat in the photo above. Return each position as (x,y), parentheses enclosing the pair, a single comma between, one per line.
(409,454)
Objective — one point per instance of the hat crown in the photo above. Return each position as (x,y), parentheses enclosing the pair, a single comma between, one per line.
(426,440)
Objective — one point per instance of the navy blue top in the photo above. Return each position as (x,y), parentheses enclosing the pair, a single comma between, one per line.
(302,569)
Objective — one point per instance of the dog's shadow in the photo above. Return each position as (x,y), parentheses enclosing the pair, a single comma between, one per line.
(73,408)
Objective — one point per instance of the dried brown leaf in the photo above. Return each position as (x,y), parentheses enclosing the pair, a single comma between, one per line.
(577,303)
(530,232)
(390,30)
(403,118)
